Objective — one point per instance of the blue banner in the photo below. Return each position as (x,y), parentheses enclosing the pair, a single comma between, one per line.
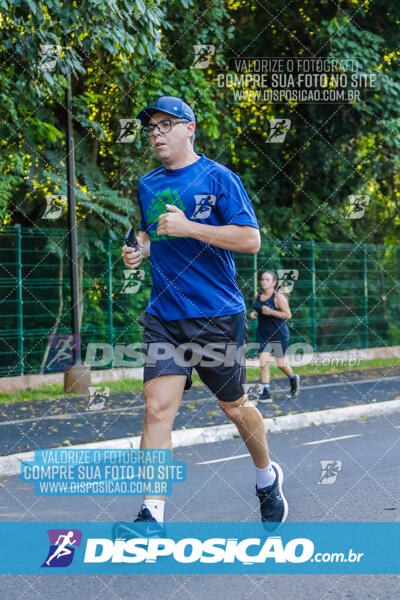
(195,548)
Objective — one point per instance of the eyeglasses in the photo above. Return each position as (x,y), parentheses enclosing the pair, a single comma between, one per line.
(163,126)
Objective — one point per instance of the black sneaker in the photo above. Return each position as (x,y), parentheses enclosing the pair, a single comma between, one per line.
(273,504)
(295,385)
(265,396)
(145,525)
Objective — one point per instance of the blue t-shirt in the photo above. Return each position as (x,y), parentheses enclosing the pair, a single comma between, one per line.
(193,278)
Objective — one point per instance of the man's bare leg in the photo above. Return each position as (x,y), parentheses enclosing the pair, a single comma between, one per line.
(269,476)
(163,396)
(250,425)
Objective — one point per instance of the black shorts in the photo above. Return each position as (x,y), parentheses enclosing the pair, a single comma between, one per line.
(275,344)
(214,346)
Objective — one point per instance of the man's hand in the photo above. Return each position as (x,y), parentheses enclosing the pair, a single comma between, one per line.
(173,222)
(133,258)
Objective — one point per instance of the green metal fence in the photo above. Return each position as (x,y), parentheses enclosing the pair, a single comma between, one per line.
(346,295)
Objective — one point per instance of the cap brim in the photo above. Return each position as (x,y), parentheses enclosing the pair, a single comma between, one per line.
(145,115)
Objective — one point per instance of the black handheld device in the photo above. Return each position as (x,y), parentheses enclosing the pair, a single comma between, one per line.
(131,239)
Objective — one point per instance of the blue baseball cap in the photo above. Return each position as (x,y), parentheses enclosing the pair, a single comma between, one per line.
(168,104)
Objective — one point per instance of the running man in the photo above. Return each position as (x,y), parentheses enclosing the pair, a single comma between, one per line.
(62,549)
(272,310)
(194,212)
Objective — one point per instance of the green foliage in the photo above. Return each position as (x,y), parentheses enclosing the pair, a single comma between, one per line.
(300,188)
(121,55)
(124,53)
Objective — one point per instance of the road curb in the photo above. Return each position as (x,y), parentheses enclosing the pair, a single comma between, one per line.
(10,465)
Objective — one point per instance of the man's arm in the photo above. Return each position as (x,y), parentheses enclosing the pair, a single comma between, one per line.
(240,238)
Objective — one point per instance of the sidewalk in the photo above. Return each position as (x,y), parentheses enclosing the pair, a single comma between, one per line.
(64,422)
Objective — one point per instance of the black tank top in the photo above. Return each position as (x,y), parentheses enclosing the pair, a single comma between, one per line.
(268,325)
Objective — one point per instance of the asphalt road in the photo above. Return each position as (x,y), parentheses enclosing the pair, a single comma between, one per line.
(45,423)
(220,487)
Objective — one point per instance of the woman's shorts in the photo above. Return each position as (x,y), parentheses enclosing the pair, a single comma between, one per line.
(277,345)
(214,346)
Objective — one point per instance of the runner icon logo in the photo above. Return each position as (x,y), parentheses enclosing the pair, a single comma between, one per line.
(129,129)
(204,204)
(202,55)
(357,206)
(286,279)
(132,280)
(62,547)
(97,397)
(54,206)
(329,471)
(278,129)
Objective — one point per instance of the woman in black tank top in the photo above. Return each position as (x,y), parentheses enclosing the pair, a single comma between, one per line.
(272,310)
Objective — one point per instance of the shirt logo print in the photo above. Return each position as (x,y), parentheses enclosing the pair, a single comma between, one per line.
(204,204)
(157,207)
